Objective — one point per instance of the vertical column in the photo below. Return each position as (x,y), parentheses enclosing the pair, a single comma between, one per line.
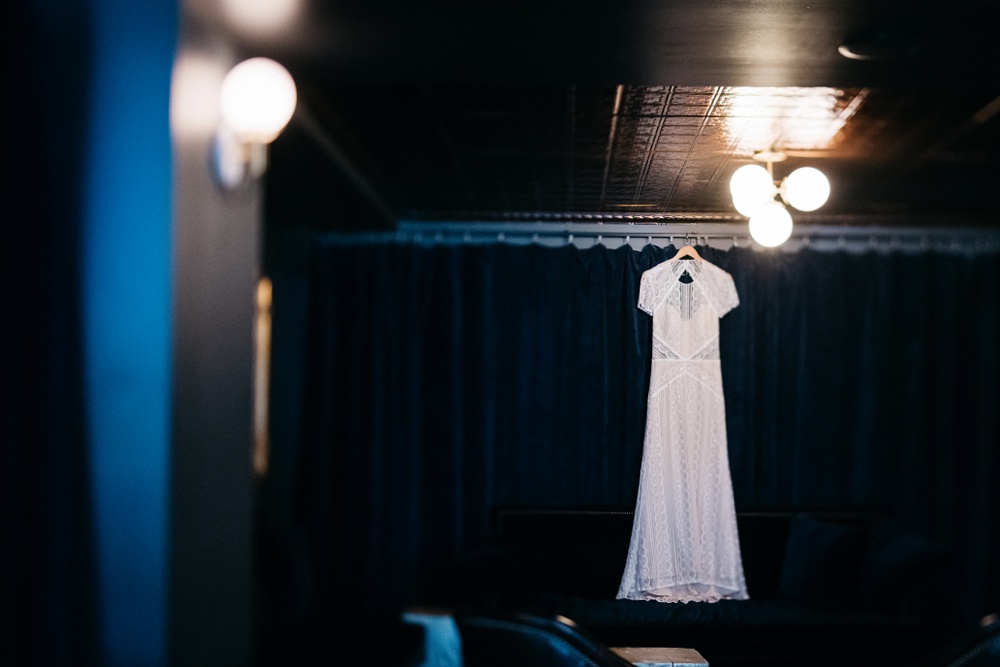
(216,269)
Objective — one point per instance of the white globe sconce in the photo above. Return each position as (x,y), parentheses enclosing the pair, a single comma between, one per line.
(754,195)
(771,224)
(751,187)
(256,101)
(806,189)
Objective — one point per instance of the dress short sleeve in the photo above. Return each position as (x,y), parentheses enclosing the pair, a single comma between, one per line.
(726,297)
(646,293)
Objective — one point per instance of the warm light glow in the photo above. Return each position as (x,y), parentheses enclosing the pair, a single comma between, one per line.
(800,118)
(262,376)
(806,189)
(194,107)
(771,225)
(751,186)
(257,99)
(261,16)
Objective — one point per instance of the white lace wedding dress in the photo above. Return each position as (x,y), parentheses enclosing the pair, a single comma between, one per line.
(685,545)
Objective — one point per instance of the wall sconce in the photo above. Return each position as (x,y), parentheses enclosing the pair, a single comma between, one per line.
(256,100)
(753,189)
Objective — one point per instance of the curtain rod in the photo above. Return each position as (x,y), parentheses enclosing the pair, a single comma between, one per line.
(722,235)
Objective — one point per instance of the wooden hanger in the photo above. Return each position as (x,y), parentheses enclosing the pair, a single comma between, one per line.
(687,252)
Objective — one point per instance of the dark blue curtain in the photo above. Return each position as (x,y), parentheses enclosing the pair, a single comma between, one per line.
(443,381)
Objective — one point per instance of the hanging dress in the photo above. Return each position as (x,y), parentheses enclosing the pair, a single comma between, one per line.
(684,544)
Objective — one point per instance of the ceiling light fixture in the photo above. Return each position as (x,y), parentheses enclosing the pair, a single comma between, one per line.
(256,100)
(754,190)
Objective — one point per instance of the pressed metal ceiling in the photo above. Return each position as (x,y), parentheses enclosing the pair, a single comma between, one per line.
(564,110)
(514,152)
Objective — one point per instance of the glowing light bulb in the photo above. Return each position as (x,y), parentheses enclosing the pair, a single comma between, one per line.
(751,186)
(771,224)
(806,189)
(257,99)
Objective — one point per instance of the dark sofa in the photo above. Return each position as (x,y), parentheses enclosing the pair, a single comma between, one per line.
(826,587)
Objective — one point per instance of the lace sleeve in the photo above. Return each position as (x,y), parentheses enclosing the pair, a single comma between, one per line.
(726,296)
(720,290)
(646,293)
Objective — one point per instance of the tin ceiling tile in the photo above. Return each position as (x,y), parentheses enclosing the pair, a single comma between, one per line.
(448,150)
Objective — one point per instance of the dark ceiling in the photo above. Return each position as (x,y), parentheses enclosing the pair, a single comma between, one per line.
(632,110)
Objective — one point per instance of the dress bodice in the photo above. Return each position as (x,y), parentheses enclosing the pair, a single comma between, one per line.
(686,298)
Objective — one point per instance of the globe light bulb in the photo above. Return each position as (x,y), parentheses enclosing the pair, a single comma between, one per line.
(771,224)
(751,187)
(257,99)
(806,189)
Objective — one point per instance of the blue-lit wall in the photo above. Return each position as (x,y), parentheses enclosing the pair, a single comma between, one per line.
(126,319)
